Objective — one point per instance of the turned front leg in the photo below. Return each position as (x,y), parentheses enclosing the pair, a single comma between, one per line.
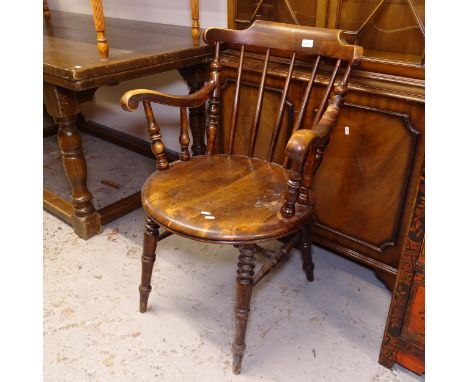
(306,251)
(150,241)
(244,285)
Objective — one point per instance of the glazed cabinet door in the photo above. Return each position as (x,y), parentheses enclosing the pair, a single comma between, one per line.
(391,31)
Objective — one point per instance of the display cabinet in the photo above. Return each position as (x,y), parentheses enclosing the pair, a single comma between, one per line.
(391,31)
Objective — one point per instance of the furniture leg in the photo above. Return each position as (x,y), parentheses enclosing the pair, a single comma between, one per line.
(150,241)
(63,106)
(306,251)
(244,284)
(195,77)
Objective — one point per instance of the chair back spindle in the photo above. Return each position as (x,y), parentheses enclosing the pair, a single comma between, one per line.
(279,118)
(235,105)
(314,158)
(213,117)
(258,109)
(304,103)
(325,97)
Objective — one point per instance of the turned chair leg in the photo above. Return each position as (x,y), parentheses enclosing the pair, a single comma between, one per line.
(148,257)
(306,251)
(244,285)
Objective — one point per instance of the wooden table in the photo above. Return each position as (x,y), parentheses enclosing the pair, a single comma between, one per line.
(73,71)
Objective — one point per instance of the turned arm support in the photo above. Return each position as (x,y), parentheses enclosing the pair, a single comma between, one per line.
(130,99)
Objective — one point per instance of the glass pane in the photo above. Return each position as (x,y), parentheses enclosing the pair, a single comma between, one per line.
(392,29)
(302,12)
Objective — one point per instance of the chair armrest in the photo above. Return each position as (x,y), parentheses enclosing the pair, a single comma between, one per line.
(130,99)
(302,140)
(298,151)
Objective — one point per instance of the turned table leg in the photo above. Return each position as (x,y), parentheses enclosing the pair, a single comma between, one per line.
(62,104)
(195,77)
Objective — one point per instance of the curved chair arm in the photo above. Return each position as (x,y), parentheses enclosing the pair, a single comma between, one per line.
(302,164)
(130,99)
(302,140)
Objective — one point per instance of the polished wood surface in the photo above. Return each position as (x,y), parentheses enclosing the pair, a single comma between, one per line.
(137,49)
(242,199)
(250,190)
(73,70)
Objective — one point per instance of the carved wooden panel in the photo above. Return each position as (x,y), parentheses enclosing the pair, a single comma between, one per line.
(403,339)
(414,322)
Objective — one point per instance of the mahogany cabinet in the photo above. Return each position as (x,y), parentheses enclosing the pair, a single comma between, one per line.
(369,176)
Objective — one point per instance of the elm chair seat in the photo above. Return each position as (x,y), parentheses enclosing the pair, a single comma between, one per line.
(222,198)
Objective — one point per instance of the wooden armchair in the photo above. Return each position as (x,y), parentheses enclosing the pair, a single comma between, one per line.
(243,200)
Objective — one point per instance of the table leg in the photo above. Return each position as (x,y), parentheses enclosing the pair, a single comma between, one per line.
(195,76)
(62,104)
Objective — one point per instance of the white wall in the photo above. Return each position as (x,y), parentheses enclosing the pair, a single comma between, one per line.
(105,108)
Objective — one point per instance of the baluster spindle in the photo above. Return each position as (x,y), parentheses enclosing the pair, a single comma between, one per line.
(98,15)
(184,138)
(195,22)
(212,121)
(157,146)
(288,209)
(235,105)
(258,110)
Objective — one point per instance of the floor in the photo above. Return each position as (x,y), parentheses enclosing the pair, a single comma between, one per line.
(328,330)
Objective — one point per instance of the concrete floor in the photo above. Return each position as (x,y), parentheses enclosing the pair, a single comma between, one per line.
(328,330)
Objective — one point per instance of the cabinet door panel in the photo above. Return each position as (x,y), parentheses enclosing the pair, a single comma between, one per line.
(361,185)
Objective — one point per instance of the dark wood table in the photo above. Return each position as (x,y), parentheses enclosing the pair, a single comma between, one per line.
(73,71)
